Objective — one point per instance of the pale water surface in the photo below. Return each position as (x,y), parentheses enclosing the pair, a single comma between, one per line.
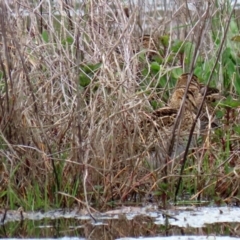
(124,223)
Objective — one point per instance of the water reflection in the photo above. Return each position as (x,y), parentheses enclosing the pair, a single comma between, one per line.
(121,223)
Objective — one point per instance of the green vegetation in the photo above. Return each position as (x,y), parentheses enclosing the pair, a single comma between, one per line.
(73,88)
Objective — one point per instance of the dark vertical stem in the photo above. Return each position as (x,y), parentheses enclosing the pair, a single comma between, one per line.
(202,28)
(41,19)
(67,9)
(205,94)
(3,24)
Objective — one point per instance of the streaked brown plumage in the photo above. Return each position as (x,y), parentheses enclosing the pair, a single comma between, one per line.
(148,43)
(196,92)
(160,124)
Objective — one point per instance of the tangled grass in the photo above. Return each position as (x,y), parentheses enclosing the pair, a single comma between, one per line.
(75,79)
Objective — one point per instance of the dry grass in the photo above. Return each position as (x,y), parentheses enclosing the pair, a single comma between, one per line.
(71,100)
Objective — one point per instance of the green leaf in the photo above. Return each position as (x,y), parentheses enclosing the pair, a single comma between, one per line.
(169,58)
(188,50)
(45,36)
(178,47)
(237,85)
(154,104)
(230,70)
(69,40)
(230,67)
(87,73)
(176,72)
(141,56)
(236,129)
(158,59)
(145,72)
(198,71)
(220,114)
(226,54)
(165,40)
(162,81)
(90,68)
(229,102)
(84,80)
(233,27)
(155,66)
(95,67)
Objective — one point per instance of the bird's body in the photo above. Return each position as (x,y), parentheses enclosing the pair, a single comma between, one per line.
(162,130)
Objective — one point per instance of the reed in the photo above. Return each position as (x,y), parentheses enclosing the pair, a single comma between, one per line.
(74,81)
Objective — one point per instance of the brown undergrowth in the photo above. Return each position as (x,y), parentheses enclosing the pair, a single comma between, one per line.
(73,92)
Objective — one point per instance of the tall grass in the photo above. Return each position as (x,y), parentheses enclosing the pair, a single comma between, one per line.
(75,78)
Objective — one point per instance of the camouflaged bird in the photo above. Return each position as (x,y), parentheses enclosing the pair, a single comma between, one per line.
(160,124)
(148,43)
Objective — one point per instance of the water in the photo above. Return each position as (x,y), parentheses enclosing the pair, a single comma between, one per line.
(125,223)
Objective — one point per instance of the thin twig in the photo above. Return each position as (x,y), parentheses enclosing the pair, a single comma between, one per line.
(201,106)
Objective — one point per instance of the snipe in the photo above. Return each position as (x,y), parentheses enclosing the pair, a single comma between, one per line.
(159,125)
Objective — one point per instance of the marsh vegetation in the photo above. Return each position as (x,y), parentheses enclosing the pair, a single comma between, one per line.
(75,79)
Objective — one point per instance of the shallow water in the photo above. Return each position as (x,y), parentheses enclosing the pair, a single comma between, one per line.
(125,223)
